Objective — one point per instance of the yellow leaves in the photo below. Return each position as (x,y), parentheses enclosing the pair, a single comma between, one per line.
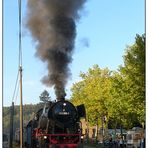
(110,92)
(93,91)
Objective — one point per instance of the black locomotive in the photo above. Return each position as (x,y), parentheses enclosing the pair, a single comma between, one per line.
(57,125)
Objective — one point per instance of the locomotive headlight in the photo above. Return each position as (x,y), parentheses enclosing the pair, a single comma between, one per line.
(82,137)
(45,137)
(64,104)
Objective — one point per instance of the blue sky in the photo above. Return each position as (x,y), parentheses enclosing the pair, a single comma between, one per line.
(107,26)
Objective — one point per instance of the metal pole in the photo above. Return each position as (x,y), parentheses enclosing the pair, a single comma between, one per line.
(102,129)
(97,133)
(21,110)
(87,129)
(121,129)
(11,125)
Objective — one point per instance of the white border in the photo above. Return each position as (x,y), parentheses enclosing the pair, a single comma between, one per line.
(1,97)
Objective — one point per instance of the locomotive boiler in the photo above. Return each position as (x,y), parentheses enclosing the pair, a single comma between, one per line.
(57,125)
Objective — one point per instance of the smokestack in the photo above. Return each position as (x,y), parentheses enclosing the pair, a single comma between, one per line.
(52,24)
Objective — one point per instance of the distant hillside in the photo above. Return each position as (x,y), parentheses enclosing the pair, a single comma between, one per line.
(28,112)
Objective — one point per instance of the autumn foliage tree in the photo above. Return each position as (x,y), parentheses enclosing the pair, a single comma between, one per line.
(134,73)
(93,91)
(118,95)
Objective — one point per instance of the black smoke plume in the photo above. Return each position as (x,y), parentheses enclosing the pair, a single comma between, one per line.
(52,24)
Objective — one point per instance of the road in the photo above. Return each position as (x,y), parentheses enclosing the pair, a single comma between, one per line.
(88,146)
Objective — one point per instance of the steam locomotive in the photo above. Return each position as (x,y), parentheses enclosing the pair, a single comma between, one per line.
(56,125)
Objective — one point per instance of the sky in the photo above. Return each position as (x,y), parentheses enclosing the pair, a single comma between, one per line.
(105,29)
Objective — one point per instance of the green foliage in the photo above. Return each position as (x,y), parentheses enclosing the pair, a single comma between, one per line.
(118,95)
(28,113)
(93,91)
(44,97)
(134,73)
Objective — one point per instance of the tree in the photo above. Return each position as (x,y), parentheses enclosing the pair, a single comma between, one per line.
(93,92)
(134,73)
(44,97)
(118,104)
(119,95)
(128,86)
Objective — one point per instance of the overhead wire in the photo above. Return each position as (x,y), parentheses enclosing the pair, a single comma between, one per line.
(16,96)
(16,84)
